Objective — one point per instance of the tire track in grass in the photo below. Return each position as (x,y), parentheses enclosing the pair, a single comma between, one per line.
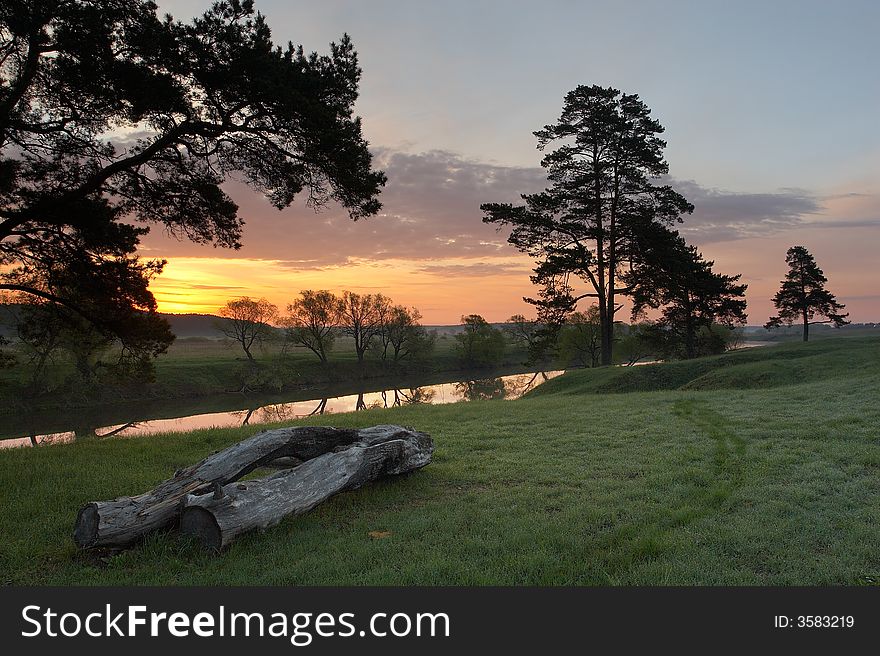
(696,495)
(727,469)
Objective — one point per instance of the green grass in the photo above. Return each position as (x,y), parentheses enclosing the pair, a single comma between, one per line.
(759,467)
(795,332)
(744,369)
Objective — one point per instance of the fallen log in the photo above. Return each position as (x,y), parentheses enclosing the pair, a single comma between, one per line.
(121,522)
(217,519)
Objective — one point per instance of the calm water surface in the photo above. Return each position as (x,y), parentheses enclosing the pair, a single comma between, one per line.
(44,430)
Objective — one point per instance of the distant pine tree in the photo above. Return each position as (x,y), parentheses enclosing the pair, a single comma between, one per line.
(803,296)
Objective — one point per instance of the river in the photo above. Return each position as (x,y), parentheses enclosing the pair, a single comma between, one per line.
(129,420)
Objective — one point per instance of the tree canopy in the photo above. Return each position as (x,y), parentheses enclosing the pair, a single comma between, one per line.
(311,321)
(675,278)
(377,326)
(479,344)
(247,321)
(527,334)
(581,338)
(601,207)
(362,317)
(402,336)
(113,119)
(803,297)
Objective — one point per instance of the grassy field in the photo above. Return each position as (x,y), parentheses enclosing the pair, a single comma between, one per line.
(758,467)
(818,331)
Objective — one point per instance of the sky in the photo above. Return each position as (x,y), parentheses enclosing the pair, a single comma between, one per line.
(770,110)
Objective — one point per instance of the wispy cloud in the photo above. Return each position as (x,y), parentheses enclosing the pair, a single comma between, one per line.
(724,215)
(431,211)
(478,269)
(213,287)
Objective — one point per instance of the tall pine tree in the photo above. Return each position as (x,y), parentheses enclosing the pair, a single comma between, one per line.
(601,206)
(803,296)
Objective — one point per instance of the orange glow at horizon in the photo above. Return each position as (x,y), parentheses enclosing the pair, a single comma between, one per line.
(203,285)
(444,290)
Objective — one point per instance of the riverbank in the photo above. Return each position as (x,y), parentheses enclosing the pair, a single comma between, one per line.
(197,369)
(137,419)
(760,467)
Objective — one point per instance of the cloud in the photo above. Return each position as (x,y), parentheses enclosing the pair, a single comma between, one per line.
(479,269)
(431,211)
(723,215)
(843,223)
(224,287)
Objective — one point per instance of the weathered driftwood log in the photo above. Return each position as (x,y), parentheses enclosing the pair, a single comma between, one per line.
(217,519)
(123,521)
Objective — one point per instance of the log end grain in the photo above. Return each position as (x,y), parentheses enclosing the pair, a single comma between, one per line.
(85,533)
(198,523)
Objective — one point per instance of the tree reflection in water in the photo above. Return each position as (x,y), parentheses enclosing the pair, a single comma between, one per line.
(487,389)
(86,431)
(115,431)
(52,438)
(270,414)
(278,412)
(482,389)
(516,386)
(471,390)
(320,409)
(414,396)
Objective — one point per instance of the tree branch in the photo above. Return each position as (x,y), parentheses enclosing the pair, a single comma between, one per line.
(33,291)
(17,91)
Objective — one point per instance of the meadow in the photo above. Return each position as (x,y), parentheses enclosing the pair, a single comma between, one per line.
(757,467)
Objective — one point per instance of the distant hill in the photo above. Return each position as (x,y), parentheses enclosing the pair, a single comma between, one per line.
(182,325)
(194,325)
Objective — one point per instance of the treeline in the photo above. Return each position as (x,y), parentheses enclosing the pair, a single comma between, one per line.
(389,332)
(50,338)
(700,313)
(578,342)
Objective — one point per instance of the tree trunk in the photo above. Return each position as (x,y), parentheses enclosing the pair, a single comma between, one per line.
(689,340)
(247,348)
(806,327)
(607,331)
(121,522)
(217,519)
